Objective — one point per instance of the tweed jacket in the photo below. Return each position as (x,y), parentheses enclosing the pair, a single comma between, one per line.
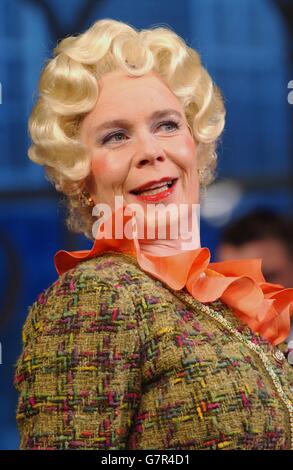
(112,358)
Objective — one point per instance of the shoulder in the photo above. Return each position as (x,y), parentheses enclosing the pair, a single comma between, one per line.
(116,269)
(109,271)
(95,302)
(109,282)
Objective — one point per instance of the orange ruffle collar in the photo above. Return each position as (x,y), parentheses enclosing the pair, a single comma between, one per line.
(266,308)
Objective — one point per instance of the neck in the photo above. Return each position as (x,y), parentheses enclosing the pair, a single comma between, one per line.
(186,238)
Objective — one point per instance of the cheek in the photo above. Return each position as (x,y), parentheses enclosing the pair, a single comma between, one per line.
(187,153)
(99,167)
(100,174)
(108,172)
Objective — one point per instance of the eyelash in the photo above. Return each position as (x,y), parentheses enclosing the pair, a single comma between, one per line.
(107,138)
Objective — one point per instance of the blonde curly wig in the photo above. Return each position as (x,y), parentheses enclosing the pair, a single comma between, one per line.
(68,91)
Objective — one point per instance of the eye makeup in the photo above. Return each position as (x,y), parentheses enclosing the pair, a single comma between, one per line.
(108,137)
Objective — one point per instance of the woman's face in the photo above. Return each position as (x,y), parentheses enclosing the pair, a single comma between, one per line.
(150,140)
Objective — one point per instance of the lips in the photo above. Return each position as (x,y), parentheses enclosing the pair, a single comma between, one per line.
(154,184)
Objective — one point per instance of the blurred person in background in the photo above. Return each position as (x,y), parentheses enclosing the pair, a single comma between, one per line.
(261,234)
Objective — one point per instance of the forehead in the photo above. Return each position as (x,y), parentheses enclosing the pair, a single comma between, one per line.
(117,87)
(122,96)
(270,249)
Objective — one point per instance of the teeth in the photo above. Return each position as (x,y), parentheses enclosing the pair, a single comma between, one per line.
(155,191)
(156,188)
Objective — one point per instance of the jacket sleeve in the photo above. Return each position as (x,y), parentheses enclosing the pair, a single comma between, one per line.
(78,376)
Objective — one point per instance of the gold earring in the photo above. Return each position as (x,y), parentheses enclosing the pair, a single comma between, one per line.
(85,199)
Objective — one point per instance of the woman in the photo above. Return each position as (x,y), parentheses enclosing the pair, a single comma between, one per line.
(143,343)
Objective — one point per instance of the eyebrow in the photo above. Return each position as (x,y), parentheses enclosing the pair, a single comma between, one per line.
(125,123)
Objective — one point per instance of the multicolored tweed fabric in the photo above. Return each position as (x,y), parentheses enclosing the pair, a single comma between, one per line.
(113,359)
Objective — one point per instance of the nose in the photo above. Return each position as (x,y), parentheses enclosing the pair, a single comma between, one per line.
(148,152)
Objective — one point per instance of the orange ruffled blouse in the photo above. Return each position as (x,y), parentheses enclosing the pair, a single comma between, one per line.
(266,308)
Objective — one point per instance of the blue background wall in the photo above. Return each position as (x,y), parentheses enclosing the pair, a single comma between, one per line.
(245,45)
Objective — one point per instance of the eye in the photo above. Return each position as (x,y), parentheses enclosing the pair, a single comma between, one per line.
(109,137)
(172,123)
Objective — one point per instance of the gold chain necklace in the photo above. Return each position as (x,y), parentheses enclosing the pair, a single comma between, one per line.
(261,354)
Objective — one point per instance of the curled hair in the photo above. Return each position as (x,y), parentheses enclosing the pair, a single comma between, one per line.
(68,91)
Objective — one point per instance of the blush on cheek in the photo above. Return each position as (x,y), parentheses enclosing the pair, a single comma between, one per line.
(99,167)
